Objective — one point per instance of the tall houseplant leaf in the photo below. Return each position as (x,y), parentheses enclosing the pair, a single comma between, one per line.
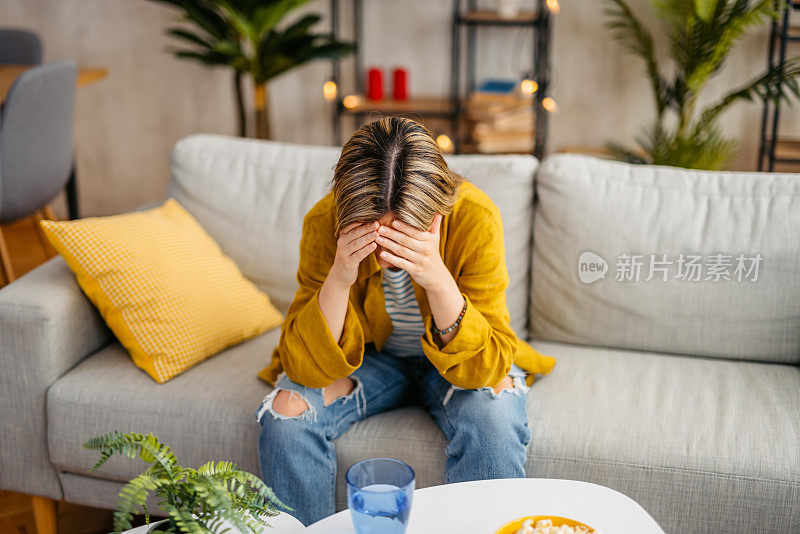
(702,34)
(244,36)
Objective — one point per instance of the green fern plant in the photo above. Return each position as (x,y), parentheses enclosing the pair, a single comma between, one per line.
(701,35)
(196,500)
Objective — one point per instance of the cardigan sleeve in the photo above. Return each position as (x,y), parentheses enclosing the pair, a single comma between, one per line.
(308,352)
(483,348)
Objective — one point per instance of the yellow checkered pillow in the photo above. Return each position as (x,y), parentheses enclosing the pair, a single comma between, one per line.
(163,286)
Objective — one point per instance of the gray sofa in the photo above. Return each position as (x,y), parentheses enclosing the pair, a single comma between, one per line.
(682,394)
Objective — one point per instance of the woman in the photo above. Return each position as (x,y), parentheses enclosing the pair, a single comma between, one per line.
(402,297)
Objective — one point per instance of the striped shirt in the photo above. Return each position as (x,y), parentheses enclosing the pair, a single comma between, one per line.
(401,305)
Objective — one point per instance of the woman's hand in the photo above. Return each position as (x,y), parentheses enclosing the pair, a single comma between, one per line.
(355,243)
(415,251)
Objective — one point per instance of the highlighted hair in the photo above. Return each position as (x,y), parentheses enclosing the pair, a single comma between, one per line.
(392,165)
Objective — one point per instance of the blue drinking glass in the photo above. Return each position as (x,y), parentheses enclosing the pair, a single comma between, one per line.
(379,493)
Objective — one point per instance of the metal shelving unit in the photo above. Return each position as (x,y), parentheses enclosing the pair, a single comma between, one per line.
(466,18)
(772,148)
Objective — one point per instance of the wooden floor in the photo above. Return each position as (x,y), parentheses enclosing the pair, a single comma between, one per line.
(16,516)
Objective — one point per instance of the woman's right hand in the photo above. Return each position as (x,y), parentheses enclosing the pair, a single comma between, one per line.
(356,242)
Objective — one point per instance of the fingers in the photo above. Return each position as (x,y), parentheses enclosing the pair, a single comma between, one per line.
(399,237)
(356,230)
(356,237)
(349,228)
(409,230)
(359,243)
(363,252)
(402,263)
(398,249)
(437,224)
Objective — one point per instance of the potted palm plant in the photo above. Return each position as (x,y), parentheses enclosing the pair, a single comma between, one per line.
(211,498)
(245,36)
(701,34)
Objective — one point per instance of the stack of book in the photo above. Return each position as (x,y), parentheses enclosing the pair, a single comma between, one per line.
(500,118)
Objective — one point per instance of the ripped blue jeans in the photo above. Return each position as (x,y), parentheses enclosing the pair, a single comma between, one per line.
(488,432)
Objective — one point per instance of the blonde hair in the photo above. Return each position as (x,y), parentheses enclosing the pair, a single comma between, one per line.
(392,165)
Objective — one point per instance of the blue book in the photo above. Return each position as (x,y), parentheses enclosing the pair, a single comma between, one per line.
(497,87)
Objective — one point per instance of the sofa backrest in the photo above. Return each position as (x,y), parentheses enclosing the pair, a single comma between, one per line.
(742,229)
(508,180)
(251,197)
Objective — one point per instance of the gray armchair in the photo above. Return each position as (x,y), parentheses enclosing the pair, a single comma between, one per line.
(35,144)
(20,46)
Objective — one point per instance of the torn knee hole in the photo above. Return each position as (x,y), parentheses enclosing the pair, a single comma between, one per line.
(506,383)
(338,389)
(289,403)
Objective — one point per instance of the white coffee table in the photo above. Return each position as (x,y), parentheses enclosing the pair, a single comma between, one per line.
(482,506)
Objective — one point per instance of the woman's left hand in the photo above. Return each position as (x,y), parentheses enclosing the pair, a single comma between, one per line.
(415,251)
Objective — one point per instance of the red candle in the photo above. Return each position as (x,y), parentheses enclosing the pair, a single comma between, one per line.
(374,84)
(400,83)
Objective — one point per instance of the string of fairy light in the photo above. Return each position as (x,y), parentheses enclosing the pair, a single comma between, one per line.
(527,88)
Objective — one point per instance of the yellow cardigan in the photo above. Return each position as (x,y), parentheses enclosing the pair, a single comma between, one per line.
(484,347)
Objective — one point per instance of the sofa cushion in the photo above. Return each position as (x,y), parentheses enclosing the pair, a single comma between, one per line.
(206,413)
(594,214)
(704,445)
(142,271)
(695,441)
(251,197)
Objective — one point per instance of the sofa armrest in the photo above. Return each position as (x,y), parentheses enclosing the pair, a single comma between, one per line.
(47,326)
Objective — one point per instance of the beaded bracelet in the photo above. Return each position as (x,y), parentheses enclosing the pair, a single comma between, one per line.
(455,324)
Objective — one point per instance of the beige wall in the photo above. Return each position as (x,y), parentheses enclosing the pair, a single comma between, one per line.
(126,125)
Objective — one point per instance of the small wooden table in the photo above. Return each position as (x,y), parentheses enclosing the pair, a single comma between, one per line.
(86,76)
(9,73)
